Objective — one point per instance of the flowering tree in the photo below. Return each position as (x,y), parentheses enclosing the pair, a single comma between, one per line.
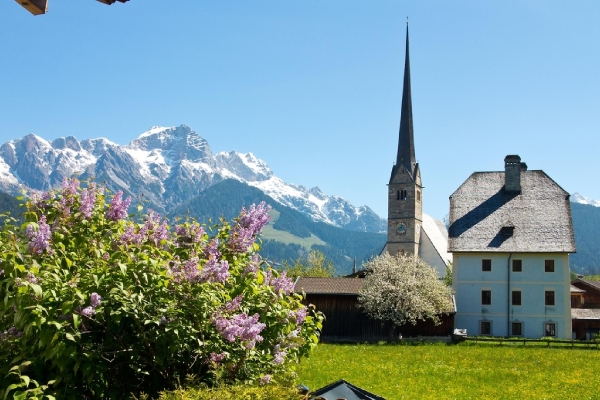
(403,289)
(95,304)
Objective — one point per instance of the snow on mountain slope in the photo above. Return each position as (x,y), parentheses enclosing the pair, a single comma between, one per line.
(167,165)
(577,198)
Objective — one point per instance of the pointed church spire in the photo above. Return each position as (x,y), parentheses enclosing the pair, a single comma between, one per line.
(406,146)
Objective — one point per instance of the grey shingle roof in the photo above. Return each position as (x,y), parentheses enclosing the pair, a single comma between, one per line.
(540,215)
(328,285)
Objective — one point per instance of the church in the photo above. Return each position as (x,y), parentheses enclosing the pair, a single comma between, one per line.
(410,231)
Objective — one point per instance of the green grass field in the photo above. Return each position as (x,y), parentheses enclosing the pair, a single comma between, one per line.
(457,371)
(269,232)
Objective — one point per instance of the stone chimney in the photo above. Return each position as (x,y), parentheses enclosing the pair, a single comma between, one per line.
(512,173)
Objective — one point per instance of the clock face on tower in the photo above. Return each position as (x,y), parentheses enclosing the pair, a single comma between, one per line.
(401,228)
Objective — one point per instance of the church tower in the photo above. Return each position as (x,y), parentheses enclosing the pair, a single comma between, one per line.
(405,198)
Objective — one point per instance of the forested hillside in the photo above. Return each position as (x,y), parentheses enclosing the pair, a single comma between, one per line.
(226,198)
(9,204)
(586,223)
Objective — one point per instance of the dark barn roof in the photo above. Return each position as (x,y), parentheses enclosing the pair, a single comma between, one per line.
(594,285)
(347,286)
(486,218)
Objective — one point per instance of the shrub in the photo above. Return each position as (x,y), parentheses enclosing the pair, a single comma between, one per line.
(97,304)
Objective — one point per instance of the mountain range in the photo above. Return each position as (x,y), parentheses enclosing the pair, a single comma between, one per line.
(167,166)
(173,170)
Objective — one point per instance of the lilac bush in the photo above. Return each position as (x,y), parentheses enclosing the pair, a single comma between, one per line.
(98,304)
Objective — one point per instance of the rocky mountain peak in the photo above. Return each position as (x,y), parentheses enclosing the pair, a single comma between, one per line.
(176,143)
(244,165)
(166,166)
(66,143)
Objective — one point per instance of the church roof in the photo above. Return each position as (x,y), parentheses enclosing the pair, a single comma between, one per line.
(486,218)
(406,144)
(438,235)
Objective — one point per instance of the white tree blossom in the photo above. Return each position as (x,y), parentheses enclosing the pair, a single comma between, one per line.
(403,289)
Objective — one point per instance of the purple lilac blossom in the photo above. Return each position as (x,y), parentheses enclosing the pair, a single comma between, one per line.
(38,198)
(12,331)
(215,271)
(160,233)
(253,265)
(88,311)
(1,272)
(283,284)
(240,326)
(95,300)
(117,209)
(39,240)
(212,249)
(192,233)
(190,270)
(217,358)
(234,304)
(265,379)
(87,200)
(70,186)
(301,315)
(255,218)
(30,277)
(241,239)
(278,355)
(248,225)
(267,275)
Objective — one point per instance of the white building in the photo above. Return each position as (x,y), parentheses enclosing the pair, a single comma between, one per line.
(510,235)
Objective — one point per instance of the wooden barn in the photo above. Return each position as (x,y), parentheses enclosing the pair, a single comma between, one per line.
(585,308)
(337,298)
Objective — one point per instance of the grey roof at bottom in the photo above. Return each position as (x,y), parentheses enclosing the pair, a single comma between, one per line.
(343,390)
(540,215)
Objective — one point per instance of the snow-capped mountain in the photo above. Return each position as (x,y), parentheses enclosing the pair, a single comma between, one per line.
(577,198)
(166,166)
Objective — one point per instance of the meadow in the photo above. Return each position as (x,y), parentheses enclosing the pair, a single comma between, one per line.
(465,371)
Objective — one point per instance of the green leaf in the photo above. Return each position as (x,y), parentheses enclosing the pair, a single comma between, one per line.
(70,337)
(76,321)
(25,380)
(37,289)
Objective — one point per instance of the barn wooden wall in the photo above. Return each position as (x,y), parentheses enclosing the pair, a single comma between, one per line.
(346,322)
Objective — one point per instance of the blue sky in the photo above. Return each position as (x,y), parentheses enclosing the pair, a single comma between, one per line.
(314,88)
